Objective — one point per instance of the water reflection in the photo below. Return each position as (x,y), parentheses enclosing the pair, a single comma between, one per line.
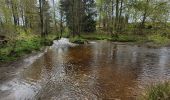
(100,70)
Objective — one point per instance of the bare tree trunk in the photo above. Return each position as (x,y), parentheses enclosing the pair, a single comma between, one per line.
(120,16)
(61,23)
(79,17)
(117,15)
(143,21)
(41,18)
(14,13)
(73,23)
(54,15)
(112,17)
(144,16)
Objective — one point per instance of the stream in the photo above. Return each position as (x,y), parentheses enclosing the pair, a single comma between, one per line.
(99,70)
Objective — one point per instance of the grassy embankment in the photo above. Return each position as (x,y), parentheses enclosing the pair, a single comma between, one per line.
(154,40)
(23,43)
(157,92)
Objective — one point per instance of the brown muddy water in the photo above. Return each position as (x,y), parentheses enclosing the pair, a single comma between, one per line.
(97,71)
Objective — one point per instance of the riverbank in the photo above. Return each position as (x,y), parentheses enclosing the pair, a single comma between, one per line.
(23,45)
(151,41)
(80,72)
(160,91)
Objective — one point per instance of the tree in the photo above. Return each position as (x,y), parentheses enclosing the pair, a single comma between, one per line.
(44,17)
(88,15)
(77,11)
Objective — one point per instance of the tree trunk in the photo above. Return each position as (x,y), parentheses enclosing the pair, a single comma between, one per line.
(112,17)
(61,23)
(14,13)
(41,18)
(73,23)
(117,17)
(120,16)
(143,21)
(54,15)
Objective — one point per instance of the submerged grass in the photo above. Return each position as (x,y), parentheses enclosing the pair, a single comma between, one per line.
(158,92)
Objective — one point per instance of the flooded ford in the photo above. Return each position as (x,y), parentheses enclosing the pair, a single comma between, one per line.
(98,70)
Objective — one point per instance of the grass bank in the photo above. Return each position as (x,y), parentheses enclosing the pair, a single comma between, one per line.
(95,36)
(23,44)
(152,40)
(158,92)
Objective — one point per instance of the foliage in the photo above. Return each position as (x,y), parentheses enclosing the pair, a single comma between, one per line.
(79,15)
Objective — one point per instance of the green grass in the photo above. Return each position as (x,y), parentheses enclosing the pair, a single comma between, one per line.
(77,39)
(95,36)
(23,44)
(158,92)
(155,39)
(119,38)
(159,39)
(127,38)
